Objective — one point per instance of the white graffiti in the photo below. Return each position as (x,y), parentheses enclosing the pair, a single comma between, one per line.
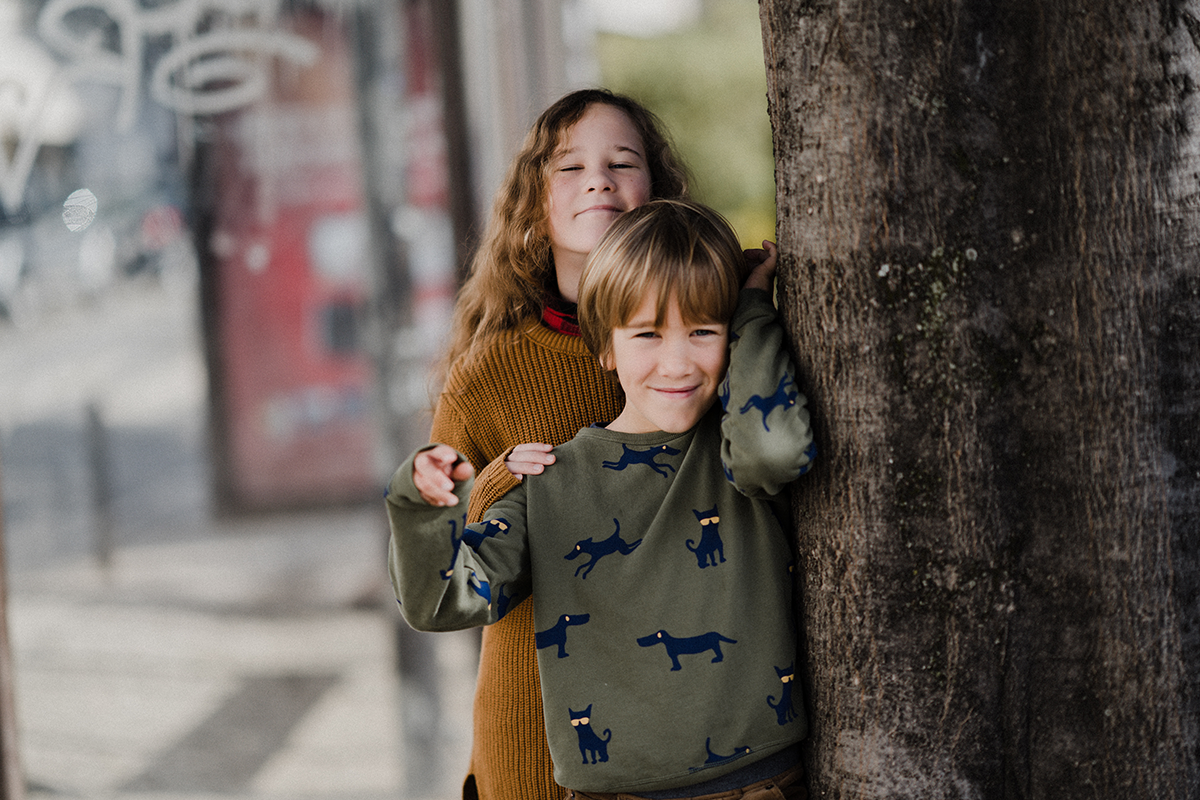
(181,77)
(219,58)
(36,107)
(223,43)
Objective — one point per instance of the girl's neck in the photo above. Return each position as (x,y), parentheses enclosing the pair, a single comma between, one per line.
(567,269)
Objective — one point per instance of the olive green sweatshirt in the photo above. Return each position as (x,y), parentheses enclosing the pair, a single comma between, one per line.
(661,574)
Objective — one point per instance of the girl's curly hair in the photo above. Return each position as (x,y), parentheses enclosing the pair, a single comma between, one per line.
(509,272)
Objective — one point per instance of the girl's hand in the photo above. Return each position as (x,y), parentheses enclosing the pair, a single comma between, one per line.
(529,459)
(762,265)
(435,471)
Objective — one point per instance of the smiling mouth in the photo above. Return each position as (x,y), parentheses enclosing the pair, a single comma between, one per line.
(608,209)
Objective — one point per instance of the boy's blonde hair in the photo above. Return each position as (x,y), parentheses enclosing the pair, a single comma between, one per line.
(513,265)
(674,248)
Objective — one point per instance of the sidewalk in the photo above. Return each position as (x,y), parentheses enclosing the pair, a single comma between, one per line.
(255,661)
(250,658)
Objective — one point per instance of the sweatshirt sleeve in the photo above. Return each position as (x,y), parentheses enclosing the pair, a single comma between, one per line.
(766,441)
(448,575)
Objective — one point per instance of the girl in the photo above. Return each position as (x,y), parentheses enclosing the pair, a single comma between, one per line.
(518,373)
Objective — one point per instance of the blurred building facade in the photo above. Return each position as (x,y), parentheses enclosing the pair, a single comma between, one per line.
(319,168)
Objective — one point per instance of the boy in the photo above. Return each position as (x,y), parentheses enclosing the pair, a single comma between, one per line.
(653,546)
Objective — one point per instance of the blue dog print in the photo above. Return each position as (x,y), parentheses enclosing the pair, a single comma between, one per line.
(502,601)
(810,453)
(782,398)
(631,457)
(783,709)
(456,544)
(710,546)
(598,550)
(474,536)
(687,646)
(557,634)
(480,586)
(717,758)
(589,742)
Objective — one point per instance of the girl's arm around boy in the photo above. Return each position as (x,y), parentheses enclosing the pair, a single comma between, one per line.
(766,439)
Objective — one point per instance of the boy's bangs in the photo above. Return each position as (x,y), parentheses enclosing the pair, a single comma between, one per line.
(705,289)
(670,250)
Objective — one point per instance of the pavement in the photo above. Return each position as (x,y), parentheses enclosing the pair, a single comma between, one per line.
(258,663)
(253,657)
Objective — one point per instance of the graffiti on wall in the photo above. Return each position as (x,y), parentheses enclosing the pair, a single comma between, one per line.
(217,58)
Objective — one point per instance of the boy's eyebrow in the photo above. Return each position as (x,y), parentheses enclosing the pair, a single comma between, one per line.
(652,323)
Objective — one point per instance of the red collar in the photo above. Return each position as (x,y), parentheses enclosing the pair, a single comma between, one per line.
(559,315)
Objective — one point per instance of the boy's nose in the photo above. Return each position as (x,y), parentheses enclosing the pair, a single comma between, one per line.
(674,363)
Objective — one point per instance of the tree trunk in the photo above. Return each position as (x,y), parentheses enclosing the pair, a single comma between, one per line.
(988,215)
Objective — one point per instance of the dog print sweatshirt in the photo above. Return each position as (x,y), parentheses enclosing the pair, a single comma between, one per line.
(661,575)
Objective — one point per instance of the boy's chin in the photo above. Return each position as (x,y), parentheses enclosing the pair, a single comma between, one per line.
(661,420)
(686,423)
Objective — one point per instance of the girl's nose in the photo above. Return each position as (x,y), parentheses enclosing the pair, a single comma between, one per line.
(601,179)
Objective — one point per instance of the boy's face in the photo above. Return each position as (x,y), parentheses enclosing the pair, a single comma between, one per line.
(670,372)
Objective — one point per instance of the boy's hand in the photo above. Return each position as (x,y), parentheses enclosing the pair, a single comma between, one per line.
(762,264)
(435,471)
(529,459)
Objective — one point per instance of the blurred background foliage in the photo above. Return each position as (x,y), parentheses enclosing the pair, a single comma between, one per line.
(707,83)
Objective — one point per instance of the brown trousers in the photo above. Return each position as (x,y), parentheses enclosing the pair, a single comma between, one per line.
(787,785)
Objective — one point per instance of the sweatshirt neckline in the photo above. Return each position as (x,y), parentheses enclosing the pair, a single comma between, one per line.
(652,438)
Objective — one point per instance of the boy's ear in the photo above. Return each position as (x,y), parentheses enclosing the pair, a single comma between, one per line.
(606,358)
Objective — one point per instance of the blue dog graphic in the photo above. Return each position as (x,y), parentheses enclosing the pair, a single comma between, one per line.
(710,547)
(480,587)
(475,535)
(783,708)
(631,457)
(557,634)
(687,646)
(502,601)
(456,544)
(597,550)
(590,743)
(717,758)
(782,398)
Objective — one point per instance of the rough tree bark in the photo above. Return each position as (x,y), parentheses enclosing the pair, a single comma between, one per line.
(989,215)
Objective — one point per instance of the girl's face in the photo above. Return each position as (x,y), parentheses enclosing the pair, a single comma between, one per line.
(598,172)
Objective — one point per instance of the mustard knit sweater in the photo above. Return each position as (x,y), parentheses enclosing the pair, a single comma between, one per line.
(533,385)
